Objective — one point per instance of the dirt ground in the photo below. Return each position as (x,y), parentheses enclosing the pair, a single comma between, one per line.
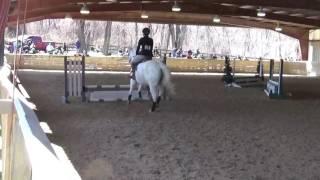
(207,132)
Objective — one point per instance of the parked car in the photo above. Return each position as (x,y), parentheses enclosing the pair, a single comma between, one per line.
(40,45)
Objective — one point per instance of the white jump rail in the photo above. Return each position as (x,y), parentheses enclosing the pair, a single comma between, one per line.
(27,153)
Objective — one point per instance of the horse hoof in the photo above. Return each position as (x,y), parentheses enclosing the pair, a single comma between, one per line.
(153,107)
(158,100)
(129,99)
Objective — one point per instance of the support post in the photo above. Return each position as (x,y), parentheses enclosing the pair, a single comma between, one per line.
(271,69)
(304,46)
(66,85)
(1,49)
(261,70)
(165,59)
(303,36)
(83,92)
(280,89)
(234,67)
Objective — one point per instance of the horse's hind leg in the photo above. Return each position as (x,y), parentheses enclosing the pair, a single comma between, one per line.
(149,93)
(154,93)
(161,93)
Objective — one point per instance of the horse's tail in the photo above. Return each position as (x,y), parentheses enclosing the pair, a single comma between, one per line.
(166,80)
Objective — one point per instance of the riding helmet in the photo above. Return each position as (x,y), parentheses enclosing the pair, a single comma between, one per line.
(146,31)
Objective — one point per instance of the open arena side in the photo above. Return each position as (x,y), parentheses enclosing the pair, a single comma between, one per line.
(206,132)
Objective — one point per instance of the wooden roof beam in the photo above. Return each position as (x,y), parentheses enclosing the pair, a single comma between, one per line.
(186,8)
(301,4)
(177,18)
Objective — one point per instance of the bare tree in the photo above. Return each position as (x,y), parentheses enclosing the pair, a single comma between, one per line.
(173,36)
(167,38)
(183,33)
(11,31)
(265,48)
(227,48)
(210,41)
(107,37)
(197,34)
(280,42)
(81,34)
(154,29)
(123,36)
(246,44)
(89,37)
(162,35)
(178,34)
(136,29)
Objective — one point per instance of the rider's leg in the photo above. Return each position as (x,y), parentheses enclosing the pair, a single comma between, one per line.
(134,63)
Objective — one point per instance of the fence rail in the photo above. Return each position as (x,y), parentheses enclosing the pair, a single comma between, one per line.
(27,153)
(175,65)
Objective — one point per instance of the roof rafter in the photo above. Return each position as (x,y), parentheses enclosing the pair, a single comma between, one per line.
(191,19)
(302,4)
(166,7)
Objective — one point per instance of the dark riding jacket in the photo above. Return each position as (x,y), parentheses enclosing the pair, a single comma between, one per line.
(145,47)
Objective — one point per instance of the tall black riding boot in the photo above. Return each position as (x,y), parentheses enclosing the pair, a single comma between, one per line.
(133,72)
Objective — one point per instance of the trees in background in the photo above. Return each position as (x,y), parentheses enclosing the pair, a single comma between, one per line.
(209,39)
(177,34)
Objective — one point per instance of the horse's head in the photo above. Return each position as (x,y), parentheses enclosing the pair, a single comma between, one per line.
(131,54)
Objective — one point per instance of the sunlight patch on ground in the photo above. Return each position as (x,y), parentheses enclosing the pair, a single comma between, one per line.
(45,127)
(65,161)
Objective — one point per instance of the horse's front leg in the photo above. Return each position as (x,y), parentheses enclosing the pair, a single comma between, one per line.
(132,85)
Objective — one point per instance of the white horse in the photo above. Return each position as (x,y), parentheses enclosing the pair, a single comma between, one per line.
(153,74)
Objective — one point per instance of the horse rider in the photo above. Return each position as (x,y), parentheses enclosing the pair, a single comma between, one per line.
(144,51)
